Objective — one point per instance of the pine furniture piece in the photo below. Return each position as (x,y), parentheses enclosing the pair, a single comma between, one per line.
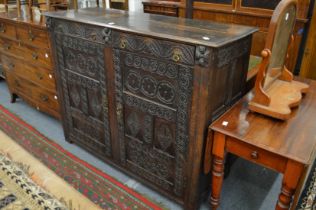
(256,13)
(286,147)
(169,8)
(138,90)
(26,57)
(275,91)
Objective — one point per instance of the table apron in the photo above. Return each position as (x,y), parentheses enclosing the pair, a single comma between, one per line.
(256,155)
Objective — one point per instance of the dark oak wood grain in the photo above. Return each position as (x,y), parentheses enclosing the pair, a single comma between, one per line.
(139,91)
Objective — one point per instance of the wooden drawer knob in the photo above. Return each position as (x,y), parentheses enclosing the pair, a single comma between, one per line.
(44,98)
(2,28)
(254,155)
(11,66)
(39,76)
(34,56)
(7,46)
(31,36)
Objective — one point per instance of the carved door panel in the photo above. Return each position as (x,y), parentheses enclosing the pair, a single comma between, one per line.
(83,84)
(153,97)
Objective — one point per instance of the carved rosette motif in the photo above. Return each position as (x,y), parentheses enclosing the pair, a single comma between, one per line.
(163,90)
(62,44)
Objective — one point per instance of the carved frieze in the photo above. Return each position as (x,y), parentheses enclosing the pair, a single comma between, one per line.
(179,53)
(156,66)
(150,108)
(85,31)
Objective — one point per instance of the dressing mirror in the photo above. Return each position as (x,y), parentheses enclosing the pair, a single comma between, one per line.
(275,90)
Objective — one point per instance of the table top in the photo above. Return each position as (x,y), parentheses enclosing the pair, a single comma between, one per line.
(294,139)
(206,33)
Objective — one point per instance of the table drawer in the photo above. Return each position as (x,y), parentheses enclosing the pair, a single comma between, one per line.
(36,56)
(47,98)
(171,51)
(7,29)
(33,36)
(257,155)
(40,76)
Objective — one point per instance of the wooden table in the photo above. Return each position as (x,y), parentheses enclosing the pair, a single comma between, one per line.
(287,147)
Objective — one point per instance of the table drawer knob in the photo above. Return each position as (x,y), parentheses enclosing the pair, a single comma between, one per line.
(254,155)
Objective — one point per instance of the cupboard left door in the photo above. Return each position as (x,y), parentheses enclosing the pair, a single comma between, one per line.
(82,85)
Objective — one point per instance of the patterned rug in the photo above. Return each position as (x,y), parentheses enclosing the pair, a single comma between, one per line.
(308,198)
(19,192)
(99,187)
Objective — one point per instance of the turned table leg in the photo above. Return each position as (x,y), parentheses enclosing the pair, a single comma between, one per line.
(290,181)
(218,152)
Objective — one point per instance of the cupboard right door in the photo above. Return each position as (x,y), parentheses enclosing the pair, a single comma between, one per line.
(153,84)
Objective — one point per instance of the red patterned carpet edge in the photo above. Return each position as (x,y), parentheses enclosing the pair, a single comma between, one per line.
(96,185)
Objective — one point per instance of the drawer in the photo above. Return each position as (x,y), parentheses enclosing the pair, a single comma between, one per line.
(36,56)
(42,97)
(39,75)
(7,29)
(10,47)
(257,155)
(33,36)
(175,52)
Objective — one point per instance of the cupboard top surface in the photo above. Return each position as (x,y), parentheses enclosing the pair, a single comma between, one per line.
(206,33)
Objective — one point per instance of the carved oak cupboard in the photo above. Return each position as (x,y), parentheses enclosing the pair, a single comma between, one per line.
(139,91)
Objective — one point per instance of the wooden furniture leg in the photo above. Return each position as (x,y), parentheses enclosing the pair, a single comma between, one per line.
(218,152)
(290,181)
(13,97)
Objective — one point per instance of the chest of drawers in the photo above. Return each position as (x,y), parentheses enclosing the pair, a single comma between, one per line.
(25,55)
(139,91)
